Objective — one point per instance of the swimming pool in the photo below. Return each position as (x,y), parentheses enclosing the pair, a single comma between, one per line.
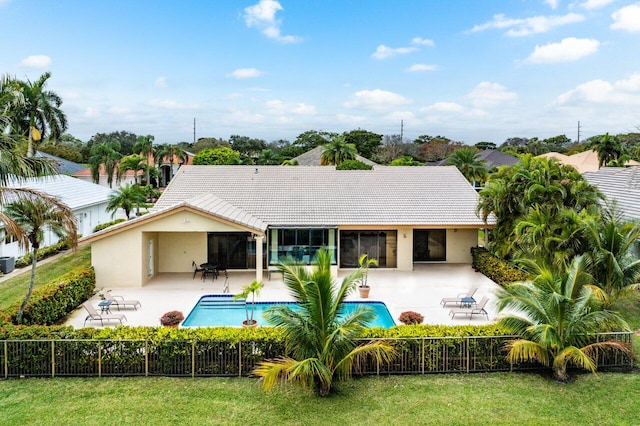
(222,310)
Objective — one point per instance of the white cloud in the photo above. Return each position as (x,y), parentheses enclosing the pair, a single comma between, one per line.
(243,73)
(421,67)
(234,96)
(244,116)
(423,41)
(627,18)
(169,104)
(278,107)
(528,26)
(263,16)
(91,112)
(444,107)
(488,94)
(376,99)
(119,110)
(36,61)
(621,92)
(594,4)
(384,52)
(552,3)
(568,50)
(160,82)
(351,118)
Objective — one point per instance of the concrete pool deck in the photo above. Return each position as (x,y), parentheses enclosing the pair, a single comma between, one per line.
(419,290)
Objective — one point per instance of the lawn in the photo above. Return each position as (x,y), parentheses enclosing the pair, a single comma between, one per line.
(497,398)
(15,288)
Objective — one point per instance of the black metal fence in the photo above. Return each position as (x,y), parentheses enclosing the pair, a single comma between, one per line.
(51,358)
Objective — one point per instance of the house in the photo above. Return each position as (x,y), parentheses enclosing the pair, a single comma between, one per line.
(619,184)
(492,158)
(583,162)
(63,166)
(127,178)
(252,217)
(312,158)
(87,201)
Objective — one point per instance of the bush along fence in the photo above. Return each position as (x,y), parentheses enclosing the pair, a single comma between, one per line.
(499,270)
(237,358)
(43,253)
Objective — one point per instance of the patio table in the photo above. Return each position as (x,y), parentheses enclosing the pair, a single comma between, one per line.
(467,302)
(105,306)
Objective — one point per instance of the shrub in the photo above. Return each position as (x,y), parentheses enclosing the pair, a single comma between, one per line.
(43,253)
(55,300)
(171,318)
(353,165)
(411,317)
(498,270)
(107,224)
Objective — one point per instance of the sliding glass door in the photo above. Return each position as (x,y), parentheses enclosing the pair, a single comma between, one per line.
(379,245)
(429,245)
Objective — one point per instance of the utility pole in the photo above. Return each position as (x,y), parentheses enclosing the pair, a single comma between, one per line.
(194,130)
(578,132)
(401,131)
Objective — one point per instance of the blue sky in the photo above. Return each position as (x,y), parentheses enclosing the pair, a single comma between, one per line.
(467,69)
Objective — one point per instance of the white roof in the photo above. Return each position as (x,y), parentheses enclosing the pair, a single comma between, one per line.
(308,196)
(619,184)
(75,193)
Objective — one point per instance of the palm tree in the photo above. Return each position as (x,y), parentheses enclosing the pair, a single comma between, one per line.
(609,149)
(144,147)
(467,160)
(338,150)
(321,338)
(558,315)
(610,256)
(40,114)
(33,215)
(127,197)
(267,157)
(106,154)
(132,162)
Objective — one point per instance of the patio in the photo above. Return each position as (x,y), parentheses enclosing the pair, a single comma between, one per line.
(419,290)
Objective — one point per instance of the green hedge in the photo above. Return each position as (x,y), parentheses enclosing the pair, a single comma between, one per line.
(55,300)
(107,224)
(43,253)
(499,270)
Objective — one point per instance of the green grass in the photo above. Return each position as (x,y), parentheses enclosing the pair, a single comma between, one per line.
(496,399)
(14,289)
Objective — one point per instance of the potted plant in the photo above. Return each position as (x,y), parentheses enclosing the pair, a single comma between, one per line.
(363,285)
(171,319)
(252,290)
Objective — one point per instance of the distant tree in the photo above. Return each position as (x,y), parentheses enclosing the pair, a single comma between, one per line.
(133,162)
(515,142)
(125,141)
(608,148)
(107,154)
(367,143)
(337,151)
(560,143)
(249,148)
(437,148)
(62,151)
(405,161)
(34,215)
(468,161)
(353,165)
(390,150)
(144,147)
(68,140)
(313,138)
(208,143)
(39,113)
(485,145)
(267,157)
(127,197)
(217,156)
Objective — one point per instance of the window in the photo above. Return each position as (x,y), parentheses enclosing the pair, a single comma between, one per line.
(300,244)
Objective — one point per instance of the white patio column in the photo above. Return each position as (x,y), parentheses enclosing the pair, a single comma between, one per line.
(259,239)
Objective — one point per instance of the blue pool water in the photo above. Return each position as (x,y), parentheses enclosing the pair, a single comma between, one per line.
(222,310)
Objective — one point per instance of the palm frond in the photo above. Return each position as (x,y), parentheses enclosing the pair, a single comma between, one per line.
(526,350)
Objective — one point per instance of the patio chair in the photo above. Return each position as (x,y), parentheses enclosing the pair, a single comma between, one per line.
(119,301)
(95,316)
(458,299)
(196,269)
(470,312)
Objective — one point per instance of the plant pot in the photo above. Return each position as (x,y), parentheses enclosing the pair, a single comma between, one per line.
(249,323)
(364,291)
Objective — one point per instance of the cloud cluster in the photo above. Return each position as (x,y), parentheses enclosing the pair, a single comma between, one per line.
(621,92)
(263,16)
(243,73)
(568,50)
(627,18)
(36,61)
(376,99)
(384,52)
(527,26)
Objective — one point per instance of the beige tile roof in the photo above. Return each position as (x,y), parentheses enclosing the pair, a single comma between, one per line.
(308,196)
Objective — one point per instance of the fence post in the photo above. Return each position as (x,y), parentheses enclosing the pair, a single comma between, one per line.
(239,359)
(424,355)
(53,358)
(146,358)
(467,339)
(99,359)
(6,360)
(193,359)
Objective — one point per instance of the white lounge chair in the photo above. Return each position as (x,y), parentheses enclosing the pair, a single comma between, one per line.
(95,316)
(119,301)
(458,299)
(478,310)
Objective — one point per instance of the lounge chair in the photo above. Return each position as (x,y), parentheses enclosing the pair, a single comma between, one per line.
(194,265)
(477,310)
(95,316)
(458,300)
(119,301)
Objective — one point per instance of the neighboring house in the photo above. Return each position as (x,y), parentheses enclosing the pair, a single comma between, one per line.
(252,217)
(492,157)
(169,167)
(128,178)
(583,162)
(619,184)
(87,200)
(64,167)
(312,158)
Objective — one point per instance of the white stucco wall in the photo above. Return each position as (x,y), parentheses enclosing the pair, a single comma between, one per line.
(177,251)
(459,243)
